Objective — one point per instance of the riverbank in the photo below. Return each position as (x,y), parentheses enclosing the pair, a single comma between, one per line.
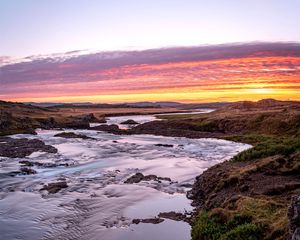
(248,196)
(250,193)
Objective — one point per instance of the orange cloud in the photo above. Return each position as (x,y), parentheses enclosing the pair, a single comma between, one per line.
(250,77)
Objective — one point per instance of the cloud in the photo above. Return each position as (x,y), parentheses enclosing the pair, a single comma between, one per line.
(227,67)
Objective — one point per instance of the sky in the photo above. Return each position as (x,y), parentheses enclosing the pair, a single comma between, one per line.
(87,50)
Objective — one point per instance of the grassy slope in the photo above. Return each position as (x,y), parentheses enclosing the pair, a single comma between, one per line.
(247,197)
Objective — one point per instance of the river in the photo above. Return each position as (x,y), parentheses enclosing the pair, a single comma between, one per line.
(97,204)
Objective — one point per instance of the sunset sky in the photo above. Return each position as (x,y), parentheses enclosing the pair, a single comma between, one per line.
(134,50)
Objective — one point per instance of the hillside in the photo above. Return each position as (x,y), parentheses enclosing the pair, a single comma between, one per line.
(248,196)
(24,118)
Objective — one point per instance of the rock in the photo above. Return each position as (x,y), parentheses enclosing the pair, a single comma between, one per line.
(19,148)
(27,171)
(55,187)
(164,145)
(294,218)
(22,171)
(148,220)
(72,135)
(10,124)
(130,122)
(26,163)
(138,177)
(186,185)
(45,165)
(106,128)
(173,216)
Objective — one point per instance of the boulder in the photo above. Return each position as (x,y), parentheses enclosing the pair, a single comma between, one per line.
(294,218)
(55,187)
(71,135)
(130,122)
(138,177)
(19,148)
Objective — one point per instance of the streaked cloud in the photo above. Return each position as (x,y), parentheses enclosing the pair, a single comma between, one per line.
(205,73)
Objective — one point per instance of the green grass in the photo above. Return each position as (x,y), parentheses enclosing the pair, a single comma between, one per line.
(265,146)
(209,226)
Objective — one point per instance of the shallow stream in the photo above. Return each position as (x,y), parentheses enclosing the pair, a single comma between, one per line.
(97,204)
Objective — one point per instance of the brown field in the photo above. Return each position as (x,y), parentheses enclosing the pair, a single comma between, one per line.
(102,112)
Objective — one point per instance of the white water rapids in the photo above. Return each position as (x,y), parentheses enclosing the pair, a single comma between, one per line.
(97,204)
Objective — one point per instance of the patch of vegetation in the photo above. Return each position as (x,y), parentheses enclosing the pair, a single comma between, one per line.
(252,139)
(222,226)
(267,212)
(247,231)
(207,126)
(265,146)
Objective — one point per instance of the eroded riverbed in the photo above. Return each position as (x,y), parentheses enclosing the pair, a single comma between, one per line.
(97,203)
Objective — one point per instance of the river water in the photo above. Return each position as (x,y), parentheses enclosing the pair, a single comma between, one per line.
(97,204)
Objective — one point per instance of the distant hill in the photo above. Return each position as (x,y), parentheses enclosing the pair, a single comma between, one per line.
(264,103)
(163,104)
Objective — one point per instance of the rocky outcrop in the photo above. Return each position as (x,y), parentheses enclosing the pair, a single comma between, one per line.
(42,164)
(55,187)
(175,216)
(164,145)
(130,122)
(10,124)
(148,220)
(71,135)
(294,218)
(19,148)
(113,128)
(138,177)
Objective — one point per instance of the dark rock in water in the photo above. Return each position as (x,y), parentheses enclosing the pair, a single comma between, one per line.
(186,185)
(174,216)
(55,187)
(19,148)
(72,135)
(11,174)
(148,220)
(130,122)
(27,171)
(26,163)
(22,171)
(105,127)
(39,164)
(294,218)
(164,145)
(138,177)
